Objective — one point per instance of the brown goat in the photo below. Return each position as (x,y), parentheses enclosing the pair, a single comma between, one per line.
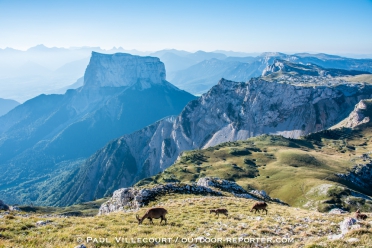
(259,206)
(219,211)
(153,213)
(360,216)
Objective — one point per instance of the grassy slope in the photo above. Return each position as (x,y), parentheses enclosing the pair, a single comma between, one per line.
(288,169)
(84,209)
(292,170)
(359,78)
(188,218)
(283,167)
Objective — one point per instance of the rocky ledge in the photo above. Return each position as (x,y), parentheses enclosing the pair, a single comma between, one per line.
(128,199)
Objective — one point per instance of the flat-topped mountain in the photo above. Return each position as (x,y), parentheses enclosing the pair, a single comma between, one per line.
(121,94)
(230,111)
(122,69)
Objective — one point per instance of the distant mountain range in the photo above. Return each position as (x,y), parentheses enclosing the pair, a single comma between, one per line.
(46,143)
(43,70)
(121,94)
(6,105)
(200,77)
(230,111)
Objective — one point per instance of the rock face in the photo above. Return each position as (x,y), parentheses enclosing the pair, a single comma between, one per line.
(360,115)
(53,133)
(122,69)
(229,111)
(127,199)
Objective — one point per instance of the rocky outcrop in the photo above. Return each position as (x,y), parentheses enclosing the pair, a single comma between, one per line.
(134,198)
(229,111)
(360,115)
(128,199)
(221,184)
(360,175)
(345,226)
(337,211)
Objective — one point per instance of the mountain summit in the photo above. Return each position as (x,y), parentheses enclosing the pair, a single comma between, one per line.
(122,69)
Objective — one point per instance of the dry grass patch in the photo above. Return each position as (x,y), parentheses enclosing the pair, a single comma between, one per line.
(188,218)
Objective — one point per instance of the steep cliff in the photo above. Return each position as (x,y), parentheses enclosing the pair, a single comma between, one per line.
(361,114)
(229,111)
(122,69)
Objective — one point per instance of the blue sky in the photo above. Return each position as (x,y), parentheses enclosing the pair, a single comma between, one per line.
(338,27)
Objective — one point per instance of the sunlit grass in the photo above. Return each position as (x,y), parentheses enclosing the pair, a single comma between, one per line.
(188,218)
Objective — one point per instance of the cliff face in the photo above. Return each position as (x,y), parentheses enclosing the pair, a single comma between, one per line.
(122,69)
(121,94)
(229,111)
(361,114)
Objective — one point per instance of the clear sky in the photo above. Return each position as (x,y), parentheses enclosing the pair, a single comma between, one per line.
(338,27)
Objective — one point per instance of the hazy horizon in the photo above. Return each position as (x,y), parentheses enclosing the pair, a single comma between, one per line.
(332,27)
(109,49)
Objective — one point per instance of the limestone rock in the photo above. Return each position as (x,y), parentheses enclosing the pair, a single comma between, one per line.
(357,117)
(337,211)
(14,208)
(347,224)
(222,184)
(123,69)
(129,199)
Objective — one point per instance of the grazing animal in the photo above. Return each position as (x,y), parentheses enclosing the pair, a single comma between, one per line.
(153,213)
(259,206)
(219,211)
(360,216)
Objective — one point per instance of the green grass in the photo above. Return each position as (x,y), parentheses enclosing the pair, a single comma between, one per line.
(299,172)
(288,169)
(83,209)
(188,217)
